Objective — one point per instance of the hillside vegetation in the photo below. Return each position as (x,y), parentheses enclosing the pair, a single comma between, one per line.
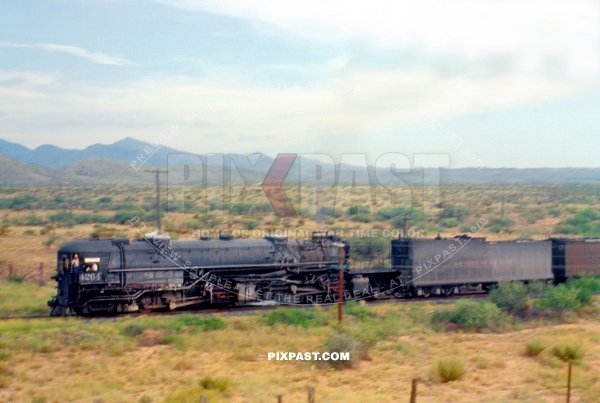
(34,221)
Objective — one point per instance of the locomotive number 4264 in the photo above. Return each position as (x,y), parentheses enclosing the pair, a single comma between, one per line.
(89,277)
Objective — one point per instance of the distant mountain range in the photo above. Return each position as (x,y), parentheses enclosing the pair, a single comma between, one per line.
(49,156)
(111,164)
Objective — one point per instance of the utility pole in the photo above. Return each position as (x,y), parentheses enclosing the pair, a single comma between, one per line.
(157,172)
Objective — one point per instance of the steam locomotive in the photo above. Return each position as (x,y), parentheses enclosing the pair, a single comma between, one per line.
(115,275)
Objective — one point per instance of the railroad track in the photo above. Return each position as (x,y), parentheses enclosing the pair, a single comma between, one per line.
(248,309)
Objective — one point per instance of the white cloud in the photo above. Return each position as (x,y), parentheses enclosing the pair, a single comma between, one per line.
(532,33)
(94,57)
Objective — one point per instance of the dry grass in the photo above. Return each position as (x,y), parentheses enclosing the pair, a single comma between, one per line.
(101,360)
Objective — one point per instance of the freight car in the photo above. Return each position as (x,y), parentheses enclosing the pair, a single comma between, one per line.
(575,257)
(113,275)
(449,266)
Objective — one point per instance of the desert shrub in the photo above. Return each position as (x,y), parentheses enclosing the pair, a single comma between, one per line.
(501,224)
(32,219)
(534,348)
(145,399)
(588,286)
(448,369)
(24,202)
(240,208)
(450,222)
(368,248)
(299,317)
(16,278)
(457,213)
(194,322)
(567,352)
(200,222)
(414,217)
(220,384)
(470,315)
(250,224)
(29,232)
(536,289)
(123,216)
(343,343)
(101,231)
(510,296)
(361,218)
(326,212)
(555,212)
(560,299)
(358,209)
(585,222)
(248,208)
(66,218)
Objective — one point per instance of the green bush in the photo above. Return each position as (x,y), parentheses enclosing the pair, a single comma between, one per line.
(501,224)
(567,352)
(326,212)
(450,223)
(534,348)
(299,317)
(555,212)
(457,213)
(16,278)
(535,289)
(510,296)
(250,224)
(361,218)
(220,384)
(101,231)
(342,343)
(585,222)
(32,219)
(588,286)
(194,322)
(145,399)
(368,248)
(471,315)
(449,369)
(560,299)
(358,209)
(414,217)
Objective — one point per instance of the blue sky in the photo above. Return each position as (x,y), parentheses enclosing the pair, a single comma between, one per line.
(505,84)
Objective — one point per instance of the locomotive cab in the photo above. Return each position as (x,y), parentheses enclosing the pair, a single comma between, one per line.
(81,265)
(66,274)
